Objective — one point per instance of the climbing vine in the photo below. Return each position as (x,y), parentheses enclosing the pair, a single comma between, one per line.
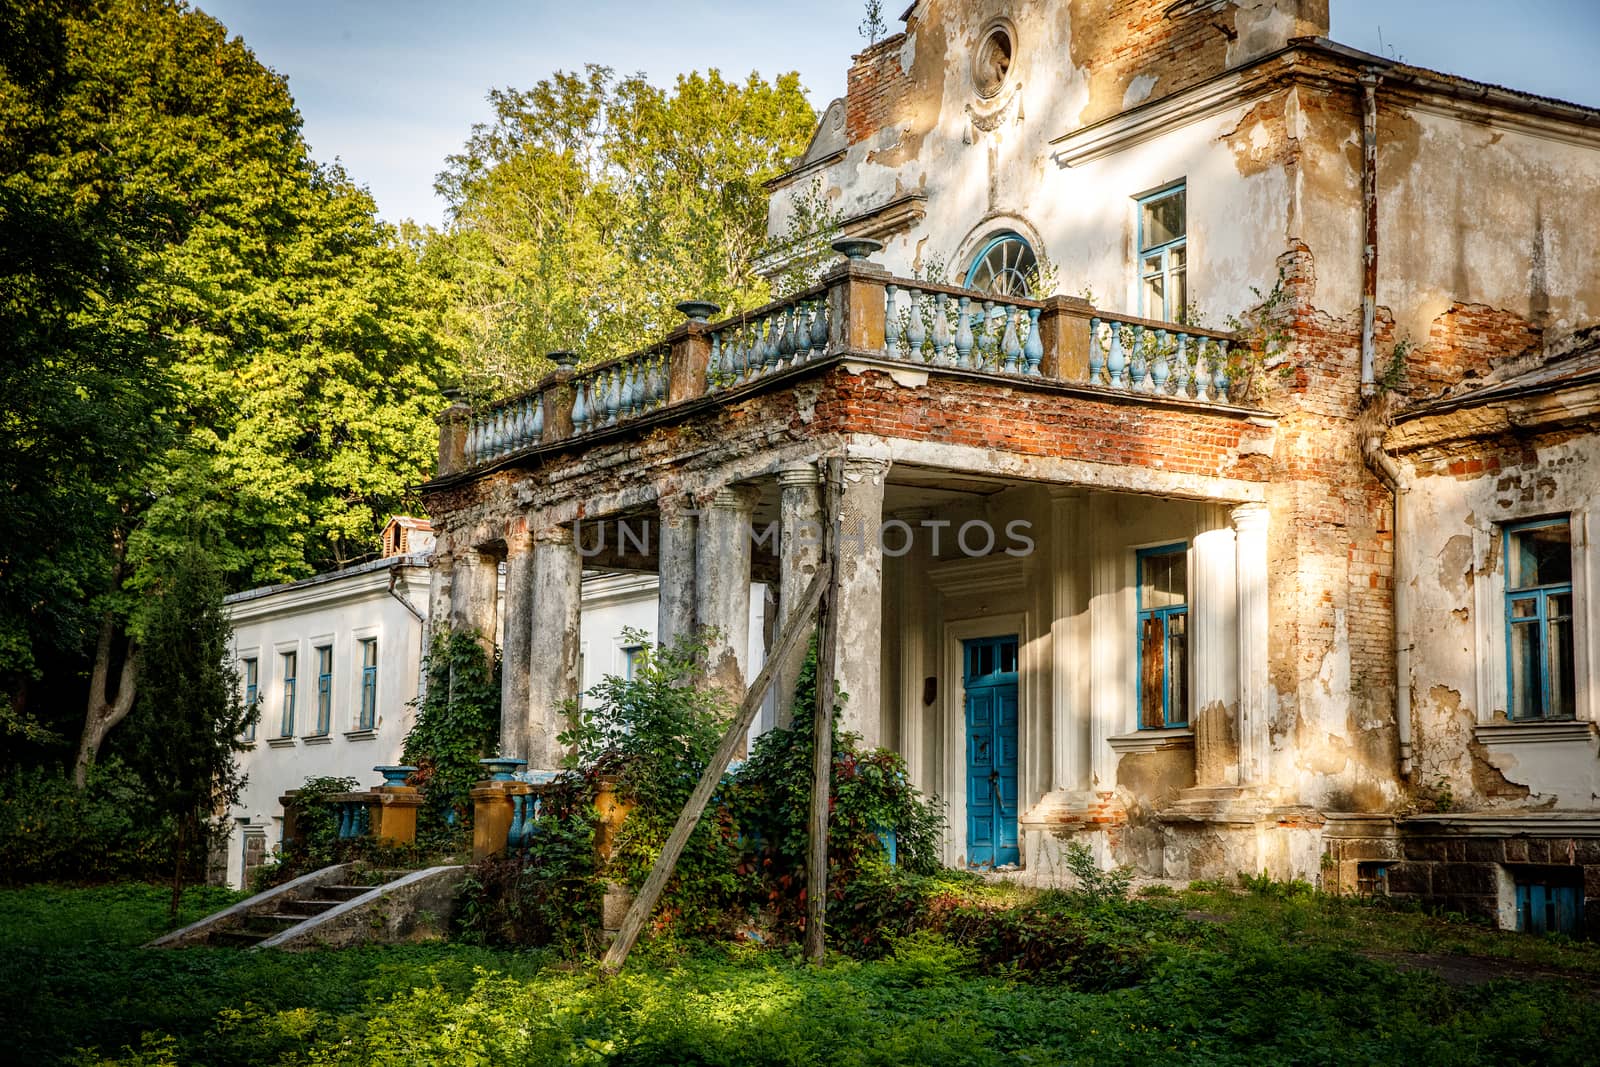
(458,723)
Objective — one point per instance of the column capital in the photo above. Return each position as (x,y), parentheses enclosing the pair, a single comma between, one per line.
(672,505)
(1250,517)
(553,535)
(734,497)
(519,542)
(799,474)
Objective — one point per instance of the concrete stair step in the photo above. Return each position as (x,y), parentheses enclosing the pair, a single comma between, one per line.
(342,893)
(309,907)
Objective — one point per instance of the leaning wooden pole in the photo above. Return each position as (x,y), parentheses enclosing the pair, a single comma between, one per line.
(822,724)
(790,640)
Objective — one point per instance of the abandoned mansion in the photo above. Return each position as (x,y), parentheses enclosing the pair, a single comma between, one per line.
(1210,415)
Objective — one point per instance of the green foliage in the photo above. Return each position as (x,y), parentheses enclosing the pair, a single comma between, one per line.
(206,332)
(591,205)
(804,251)
(1392,376)
(458,723)
(1250,991)
(189,718)
(49,828)
(1265,332)
(872,25)
(1096,886)
(315,843)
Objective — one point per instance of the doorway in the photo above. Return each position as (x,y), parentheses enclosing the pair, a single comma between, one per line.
(989,682)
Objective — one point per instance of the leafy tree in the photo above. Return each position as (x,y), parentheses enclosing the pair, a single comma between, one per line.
(191,715)
(590,206)
(216,335)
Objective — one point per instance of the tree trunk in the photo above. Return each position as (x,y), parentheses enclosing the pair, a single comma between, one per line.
(180,852)
(102,713)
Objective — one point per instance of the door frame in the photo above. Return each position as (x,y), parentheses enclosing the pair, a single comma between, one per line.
(1014,685)
(954,695)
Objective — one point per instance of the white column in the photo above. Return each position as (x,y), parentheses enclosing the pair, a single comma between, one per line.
(518,628)
(1069,712)
(1213,655)
(553,644)
(1250,541)
(722,586)
(800,553)
(858,598)
(675,586)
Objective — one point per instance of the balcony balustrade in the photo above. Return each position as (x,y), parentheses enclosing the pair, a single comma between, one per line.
(858,312)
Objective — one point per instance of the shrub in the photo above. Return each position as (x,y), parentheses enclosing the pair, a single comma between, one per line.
(315,842)
(458,723)
(49,828)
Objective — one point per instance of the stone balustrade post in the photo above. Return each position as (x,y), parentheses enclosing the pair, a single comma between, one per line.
(556,395)
(690,355)
(491,815)
(856,306)
(394,814)
(1064,333)
(453,423)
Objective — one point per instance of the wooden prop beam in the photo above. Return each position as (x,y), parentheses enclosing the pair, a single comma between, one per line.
(822,724)
(790,639)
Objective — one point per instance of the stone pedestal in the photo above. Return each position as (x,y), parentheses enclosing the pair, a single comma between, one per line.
(394,814)
(612,810)
(491,816)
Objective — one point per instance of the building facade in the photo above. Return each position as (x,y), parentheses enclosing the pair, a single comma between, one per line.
(336,664)
(1105,571)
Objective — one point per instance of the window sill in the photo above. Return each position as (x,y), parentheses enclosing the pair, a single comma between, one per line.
(317,739)
(1534,733)
(281,742)
(361,735)
(1140,741)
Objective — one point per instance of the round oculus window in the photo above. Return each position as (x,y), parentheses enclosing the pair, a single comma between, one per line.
(992,62)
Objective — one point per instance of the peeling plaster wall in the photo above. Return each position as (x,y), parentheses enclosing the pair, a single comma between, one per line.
(1463,495)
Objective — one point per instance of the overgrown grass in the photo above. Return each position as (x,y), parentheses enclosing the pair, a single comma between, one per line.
(1270,978)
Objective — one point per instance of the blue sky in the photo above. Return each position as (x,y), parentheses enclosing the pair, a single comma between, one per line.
(391,87)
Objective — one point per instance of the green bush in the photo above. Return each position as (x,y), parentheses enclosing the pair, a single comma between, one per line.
(52,831)
(458,723)
(315,843)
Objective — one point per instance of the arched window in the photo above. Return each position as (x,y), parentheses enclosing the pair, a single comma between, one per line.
(1003,266)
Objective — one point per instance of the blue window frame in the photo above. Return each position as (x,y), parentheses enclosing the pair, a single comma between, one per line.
(1539,670)
(252,692)
(1162,667)
(324,689)
(630,659)
(369,682)
(1004,266)
(286,727)
(1164,254)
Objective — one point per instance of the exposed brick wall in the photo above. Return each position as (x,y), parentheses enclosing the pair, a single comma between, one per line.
(875,87)
(1464,343)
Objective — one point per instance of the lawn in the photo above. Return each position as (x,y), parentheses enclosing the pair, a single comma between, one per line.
(1222,976)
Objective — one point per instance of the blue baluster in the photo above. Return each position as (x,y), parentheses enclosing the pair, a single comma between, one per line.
(941,330)
(891,323)
(536,425)
(1033,348)
(789,344)
(775,342)
(1180,368)
(610,391)
(1161,369)
(1220,380)
(1097,360)
(1137,368)
(987,346)
(819,327)
(580,405)
(963,334)
(714,363)
(915,333)
(1116,362)
(1010,347)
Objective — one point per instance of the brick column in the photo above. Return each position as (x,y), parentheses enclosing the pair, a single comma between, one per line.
(858,597)
(800,553)
(516,661)
(675,608)
(553,643)
(1250,539)
(722,585)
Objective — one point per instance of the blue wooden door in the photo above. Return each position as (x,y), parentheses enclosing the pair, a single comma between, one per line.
(991,720)
(1543,907)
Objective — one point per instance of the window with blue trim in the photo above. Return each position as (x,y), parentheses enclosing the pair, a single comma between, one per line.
(1162,669)
(369,683)
(1004,266)
(1539,669)
(286,727)
(252,693)
(324,689)
(631,660)
(1164,254)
